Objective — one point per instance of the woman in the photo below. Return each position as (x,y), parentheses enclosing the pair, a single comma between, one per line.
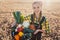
(37,19)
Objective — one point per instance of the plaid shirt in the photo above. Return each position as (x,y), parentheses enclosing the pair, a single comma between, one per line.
(45,24)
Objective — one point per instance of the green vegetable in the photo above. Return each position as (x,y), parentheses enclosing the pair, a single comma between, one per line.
(18,17)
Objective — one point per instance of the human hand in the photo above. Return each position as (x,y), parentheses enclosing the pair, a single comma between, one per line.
(36,31)
(43,31)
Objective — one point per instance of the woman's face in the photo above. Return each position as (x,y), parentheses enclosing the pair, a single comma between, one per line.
(37,8)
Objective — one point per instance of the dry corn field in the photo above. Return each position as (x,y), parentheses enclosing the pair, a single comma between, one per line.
(51,9)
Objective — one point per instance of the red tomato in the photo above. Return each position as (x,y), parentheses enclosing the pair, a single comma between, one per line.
(20,29)
(32,27)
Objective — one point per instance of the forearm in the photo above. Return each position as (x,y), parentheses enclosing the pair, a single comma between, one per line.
(38,30)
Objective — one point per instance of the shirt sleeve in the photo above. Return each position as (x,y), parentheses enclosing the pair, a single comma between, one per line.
(47,26)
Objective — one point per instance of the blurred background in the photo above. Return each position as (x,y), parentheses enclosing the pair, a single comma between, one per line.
(51,9)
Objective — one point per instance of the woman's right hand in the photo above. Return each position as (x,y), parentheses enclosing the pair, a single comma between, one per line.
(43,31)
